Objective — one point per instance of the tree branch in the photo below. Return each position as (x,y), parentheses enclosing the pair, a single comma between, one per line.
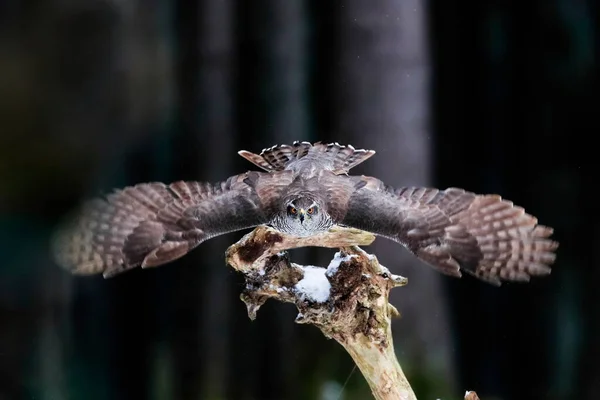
(348,301)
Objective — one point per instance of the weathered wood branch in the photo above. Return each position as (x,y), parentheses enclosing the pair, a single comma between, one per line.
(348,301)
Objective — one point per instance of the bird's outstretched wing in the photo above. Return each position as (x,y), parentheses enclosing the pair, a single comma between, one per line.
(449,229)
(151,224)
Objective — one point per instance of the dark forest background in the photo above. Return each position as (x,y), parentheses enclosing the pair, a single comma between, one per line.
(491,96)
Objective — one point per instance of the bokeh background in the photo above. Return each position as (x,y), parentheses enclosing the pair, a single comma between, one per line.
(491,96)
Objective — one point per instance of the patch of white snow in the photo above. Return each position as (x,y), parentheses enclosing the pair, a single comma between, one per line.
(314,286)
(337,260)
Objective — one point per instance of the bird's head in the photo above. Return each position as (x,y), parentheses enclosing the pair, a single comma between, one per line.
(306,216)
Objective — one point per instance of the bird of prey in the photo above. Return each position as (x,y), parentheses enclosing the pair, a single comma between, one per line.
(305,189)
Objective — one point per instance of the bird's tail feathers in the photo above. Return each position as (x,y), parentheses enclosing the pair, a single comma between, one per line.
(343,158)
(339,158)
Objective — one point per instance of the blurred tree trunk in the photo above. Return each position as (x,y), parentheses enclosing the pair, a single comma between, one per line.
(217,149)
(383,98)
(273,109)
(284,88)
(102,70)
(526,106)
(204,151)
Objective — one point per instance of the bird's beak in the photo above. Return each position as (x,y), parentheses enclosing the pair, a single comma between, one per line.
(301,215)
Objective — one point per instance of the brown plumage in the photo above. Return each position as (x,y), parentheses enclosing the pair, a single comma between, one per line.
(339,159)
(151,224)
(454,229)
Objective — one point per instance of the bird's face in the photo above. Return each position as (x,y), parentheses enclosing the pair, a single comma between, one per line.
(305,217)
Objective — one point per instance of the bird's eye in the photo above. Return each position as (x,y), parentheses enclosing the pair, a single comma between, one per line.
(292,210)
(310,210)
